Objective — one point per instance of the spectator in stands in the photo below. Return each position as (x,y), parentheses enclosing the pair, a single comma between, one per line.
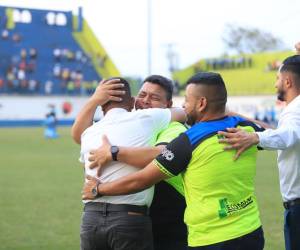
(23,54)
(22,64)
(10,78)
(57,70)
(32,86)
(33,53)
(69,55)
(21,75)
(48,87)
(4,34)
(65,75)
(16,38)
(73,75)
(78,55)
(84,59)
(31,66)
(57,54)
(70,87)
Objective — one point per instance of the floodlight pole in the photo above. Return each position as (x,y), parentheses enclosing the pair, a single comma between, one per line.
(149,36)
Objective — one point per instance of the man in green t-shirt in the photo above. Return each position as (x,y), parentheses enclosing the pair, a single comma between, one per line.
(221,211)
(168,205)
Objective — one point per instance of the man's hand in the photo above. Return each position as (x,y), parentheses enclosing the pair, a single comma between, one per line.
(297,47)
(100,156)
(108,91)
(239,140)
(91,183)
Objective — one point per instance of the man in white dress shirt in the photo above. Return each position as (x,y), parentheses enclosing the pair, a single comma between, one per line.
(286,139)
(119,222)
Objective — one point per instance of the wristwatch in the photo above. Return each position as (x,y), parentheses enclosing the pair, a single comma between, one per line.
(114,152)
(95,191)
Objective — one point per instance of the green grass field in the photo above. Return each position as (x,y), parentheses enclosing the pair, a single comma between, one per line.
(40,192)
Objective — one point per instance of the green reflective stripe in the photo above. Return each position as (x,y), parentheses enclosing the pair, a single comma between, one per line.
(162,169)
(177,183)
(167,135)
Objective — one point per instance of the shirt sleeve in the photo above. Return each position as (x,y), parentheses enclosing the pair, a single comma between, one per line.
(285,136)
(175,157)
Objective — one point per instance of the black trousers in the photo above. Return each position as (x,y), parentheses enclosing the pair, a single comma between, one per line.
(115,230)
(252,241)
(167,214)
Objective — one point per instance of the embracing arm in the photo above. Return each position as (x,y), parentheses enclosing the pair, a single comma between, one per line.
(133,183)
(129,184)
(172,161)
(134,156)
(138,156)
(106,91)
(260,123)
(178,115)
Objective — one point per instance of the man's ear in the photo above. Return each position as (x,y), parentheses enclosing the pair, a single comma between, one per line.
(289,81)
(201,104)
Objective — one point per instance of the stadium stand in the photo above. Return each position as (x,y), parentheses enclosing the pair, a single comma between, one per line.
(252,74)
(46,52)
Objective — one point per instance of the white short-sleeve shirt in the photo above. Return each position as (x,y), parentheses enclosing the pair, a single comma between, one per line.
(123,128)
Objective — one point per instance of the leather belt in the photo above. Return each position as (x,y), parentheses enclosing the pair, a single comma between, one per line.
(109,207)
(289,204)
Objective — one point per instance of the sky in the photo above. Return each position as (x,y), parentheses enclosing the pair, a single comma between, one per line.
(194,28)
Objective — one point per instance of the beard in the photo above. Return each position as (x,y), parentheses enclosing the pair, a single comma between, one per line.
(191,120)
(281,95)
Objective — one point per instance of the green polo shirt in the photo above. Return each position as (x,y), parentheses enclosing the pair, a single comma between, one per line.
(219,192)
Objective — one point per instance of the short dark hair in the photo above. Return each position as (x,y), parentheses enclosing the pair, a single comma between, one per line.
(216,91)
(291,64)
(163,82)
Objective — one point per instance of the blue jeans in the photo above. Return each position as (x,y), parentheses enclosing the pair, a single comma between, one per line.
(252,241)
(292,227)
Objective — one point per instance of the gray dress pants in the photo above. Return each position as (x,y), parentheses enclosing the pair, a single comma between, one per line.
(115,230)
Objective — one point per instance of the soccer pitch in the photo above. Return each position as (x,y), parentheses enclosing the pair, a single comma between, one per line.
(41,182)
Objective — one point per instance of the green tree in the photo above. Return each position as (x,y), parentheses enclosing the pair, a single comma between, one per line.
(250,40)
